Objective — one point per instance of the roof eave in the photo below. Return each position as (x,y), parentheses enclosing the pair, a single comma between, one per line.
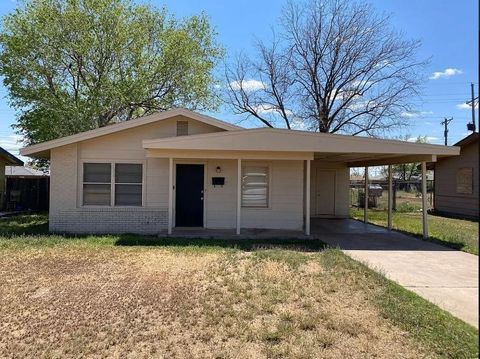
(42,150)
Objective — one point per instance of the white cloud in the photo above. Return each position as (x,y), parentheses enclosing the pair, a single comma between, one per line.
(428,138)
(448,72)
(298,124)
(11,143)
(266,108)
(464,106)
(411,114)
(247,85)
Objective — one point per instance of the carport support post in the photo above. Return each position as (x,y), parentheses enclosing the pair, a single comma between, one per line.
(170,195)
(307,199)
(424,199)
(365,202)
(239,194)
(390,199)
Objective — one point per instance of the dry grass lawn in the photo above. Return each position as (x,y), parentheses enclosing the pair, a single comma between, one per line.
(75,301)
(146,297)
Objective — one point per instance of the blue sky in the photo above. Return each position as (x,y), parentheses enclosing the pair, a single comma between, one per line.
(448,31)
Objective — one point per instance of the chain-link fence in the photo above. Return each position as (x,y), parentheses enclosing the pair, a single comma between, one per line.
(407,195)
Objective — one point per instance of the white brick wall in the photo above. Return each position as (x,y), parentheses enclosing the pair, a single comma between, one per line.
(110,220)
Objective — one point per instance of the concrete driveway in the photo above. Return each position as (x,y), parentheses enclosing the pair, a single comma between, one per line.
(446,277)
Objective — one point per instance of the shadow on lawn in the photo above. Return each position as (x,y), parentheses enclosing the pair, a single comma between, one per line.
(301,245)
(24,224)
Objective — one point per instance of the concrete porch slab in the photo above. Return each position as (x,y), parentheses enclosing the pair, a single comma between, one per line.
(246,233)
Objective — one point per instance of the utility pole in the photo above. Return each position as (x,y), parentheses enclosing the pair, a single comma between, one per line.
(445,122)
(472,103)
(473,107)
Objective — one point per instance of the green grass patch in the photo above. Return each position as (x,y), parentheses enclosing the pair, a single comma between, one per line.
(434,328)
(32,230)
(455,233)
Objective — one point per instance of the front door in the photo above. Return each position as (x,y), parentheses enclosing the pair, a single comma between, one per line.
(189,196)
(325,193)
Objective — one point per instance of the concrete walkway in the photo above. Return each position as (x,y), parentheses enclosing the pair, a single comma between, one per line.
(446,277)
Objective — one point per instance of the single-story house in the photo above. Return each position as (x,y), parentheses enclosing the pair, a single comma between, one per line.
(457,181)
(26,188)
(182,169)
(6,159)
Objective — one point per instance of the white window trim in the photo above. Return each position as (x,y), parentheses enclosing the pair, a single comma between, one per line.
(269,184)
(112,182)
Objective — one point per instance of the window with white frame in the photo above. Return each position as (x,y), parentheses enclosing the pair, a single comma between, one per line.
(128,184)
(97,178)
(124,179)
(255,184)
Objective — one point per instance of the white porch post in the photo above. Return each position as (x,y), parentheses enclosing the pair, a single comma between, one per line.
(390,199)
(239,194)
(307,199)
(170,195)
(365,205)
(424,199)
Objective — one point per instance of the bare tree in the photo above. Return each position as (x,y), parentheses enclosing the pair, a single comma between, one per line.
(336,66)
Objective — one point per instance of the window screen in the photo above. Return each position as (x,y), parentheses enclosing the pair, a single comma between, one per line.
(96,184)
(255,186)
(182,128)
(128,184)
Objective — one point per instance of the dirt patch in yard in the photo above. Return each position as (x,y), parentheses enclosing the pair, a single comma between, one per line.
(145,302)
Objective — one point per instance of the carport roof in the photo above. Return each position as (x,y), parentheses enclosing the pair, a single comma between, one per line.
(355,151)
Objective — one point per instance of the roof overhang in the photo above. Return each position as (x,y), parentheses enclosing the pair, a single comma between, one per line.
(228,154)
(474,136)
(42,150)
(354,151)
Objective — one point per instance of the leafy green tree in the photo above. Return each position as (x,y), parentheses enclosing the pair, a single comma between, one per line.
(406,171)
(75,65)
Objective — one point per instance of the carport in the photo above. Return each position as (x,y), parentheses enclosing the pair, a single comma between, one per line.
(325,153)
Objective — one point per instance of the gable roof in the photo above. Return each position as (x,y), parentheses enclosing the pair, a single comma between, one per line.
(102,131)
(9,158)
(468,140)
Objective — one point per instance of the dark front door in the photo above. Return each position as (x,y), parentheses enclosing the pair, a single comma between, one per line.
(189,196)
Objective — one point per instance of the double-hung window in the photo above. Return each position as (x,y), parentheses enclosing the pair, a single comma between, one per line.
(120,183)
(128,184)
(255,183)
(97,186)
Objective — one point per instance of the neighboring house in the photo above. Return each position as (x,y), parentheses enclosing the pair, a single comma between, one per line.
(182,169)
(457,181)
(26,189)
(6,159)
